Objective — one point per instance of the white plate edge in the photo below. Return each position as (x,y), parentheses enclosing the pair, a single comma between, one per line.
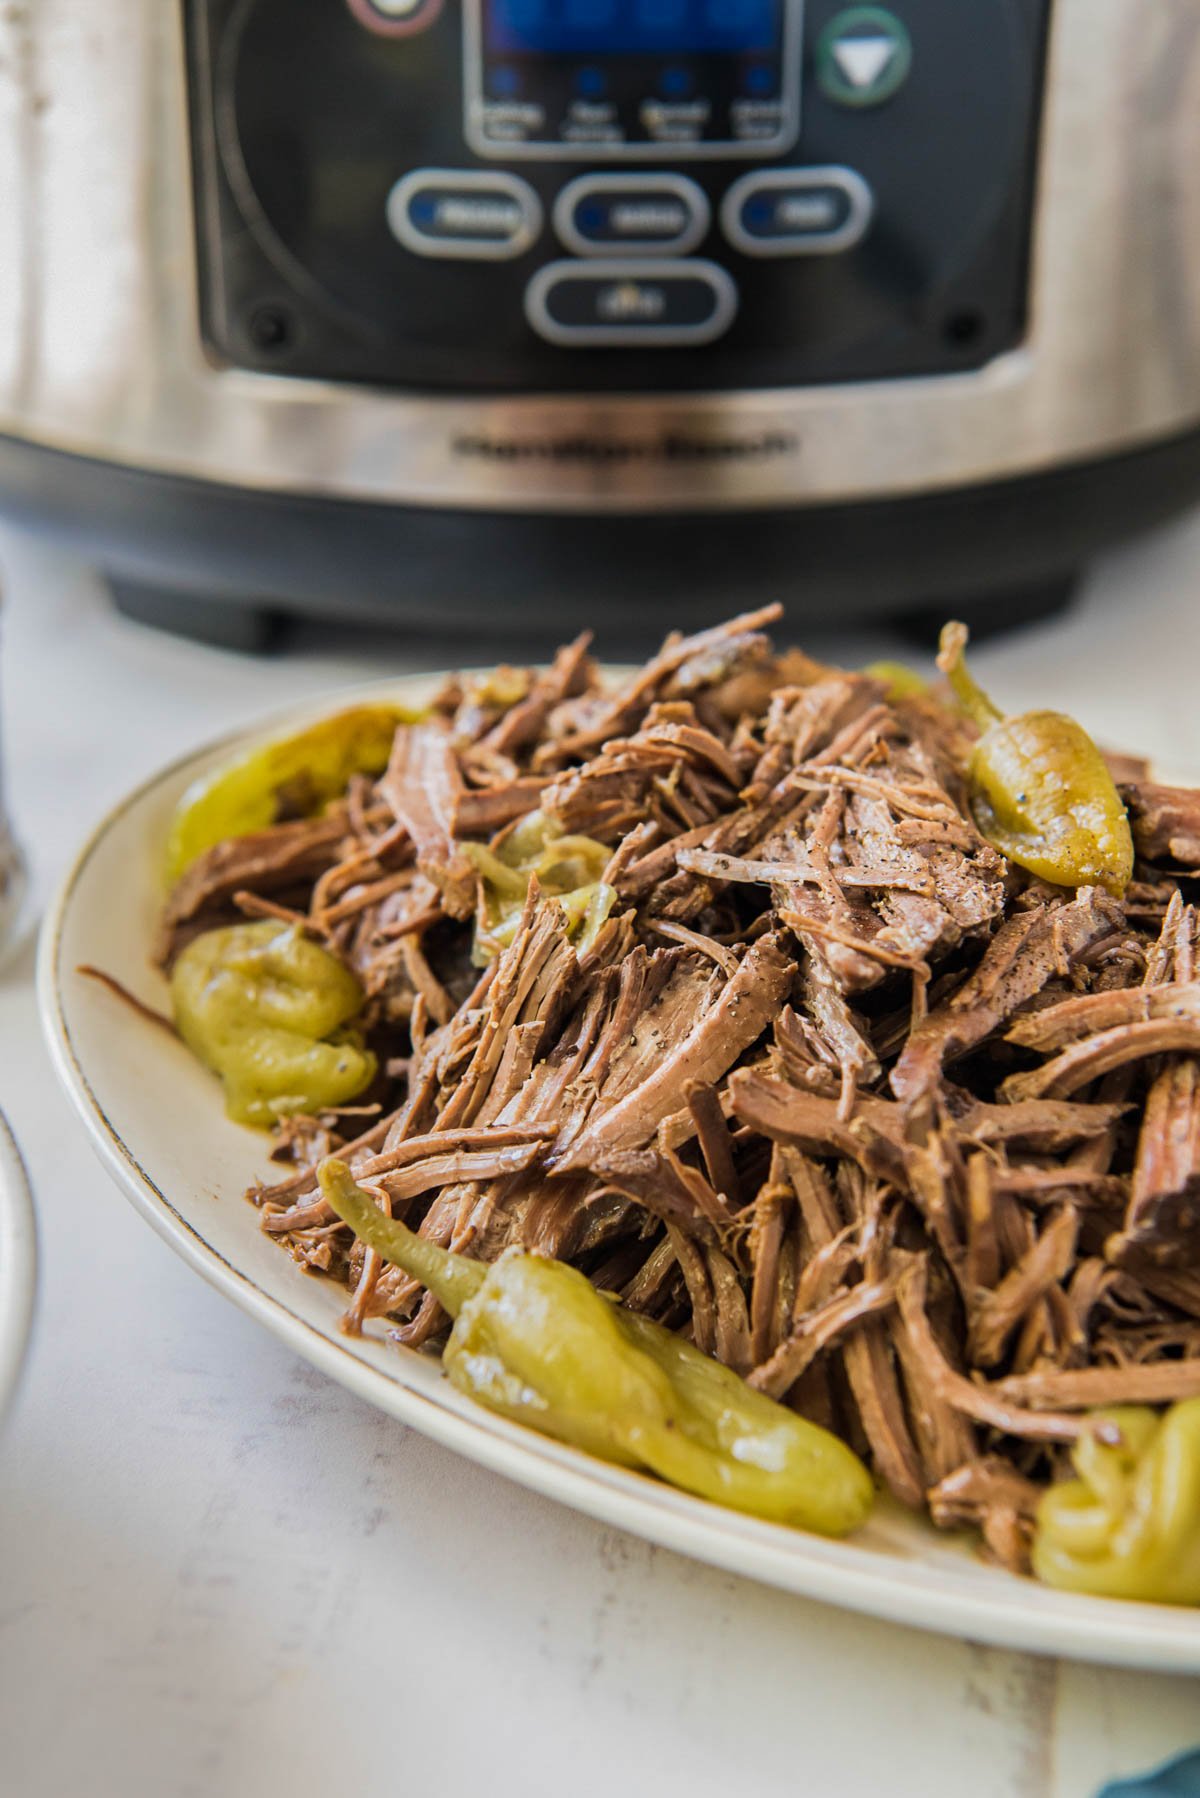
(18,1266)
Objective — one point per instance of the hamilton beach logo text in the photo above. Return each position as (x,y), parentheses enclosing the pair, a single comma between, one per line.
(769,446)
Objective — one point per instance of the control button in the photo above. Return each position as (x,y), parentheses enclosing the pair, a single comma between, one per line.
(796,212)
(633,215)
(759,79)
(464,213)
(675,82)
(395,18)
(863,56)
(628,303)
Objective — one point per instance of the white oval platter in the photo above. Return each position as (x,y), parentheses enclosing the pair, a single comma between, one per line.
(156,1121)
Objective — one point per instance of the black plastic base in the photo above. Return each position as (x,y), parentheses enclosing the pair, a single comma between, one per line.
(249,626)
(1006,609)
(257,629)
(182,552)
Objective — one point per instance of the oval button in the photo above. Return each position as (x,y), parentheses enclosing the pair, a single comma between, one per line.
(631,215)
(484,215)
(797,212)
(630,302)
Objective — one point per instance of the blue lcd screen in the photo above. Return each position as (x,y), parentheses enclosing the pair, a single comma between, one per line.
(590,27)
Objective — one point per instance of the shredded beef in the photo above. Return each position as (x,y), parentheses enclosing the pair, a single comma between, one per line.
(903,1134)
(1166,823)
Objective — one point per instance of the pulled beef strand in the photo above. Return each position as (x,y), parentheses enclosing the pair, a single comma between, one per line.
(906,1136)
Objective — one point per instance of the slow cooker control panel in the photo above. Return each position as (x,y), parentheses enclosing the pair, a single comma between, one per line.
(519,195)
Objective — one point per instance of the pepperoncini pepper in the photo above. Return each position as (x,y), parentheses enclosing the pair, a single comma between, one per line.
(1041,792)
(1129,1525)
(566,867)
(267,1009)
(293,776)
(535,1341)
(901,681)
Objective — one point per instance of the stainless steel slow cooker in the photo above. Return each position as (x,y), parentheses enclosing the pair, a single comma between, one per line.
(512,309)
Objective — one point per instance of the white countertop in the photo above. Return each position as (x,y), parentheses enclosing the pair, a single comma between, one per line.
(221,1574)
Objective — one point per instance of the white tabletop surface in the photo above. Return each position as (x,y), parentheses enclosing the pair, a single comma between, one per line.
(221,1574)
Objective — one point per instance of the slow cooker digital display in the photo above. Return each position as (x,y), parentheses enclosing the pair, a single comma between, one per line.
(571,27)
(632,78)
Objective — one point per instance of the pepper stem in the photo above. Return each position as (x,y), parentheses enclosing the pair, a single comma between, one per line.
(452,1279)
(970,695)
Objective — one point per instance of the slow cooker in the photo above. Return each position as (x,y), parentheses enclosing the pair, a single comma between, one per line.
(513,310)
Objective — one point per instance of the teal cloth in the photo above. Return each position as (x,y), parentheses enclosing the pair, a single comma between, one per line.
(1177,1779)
